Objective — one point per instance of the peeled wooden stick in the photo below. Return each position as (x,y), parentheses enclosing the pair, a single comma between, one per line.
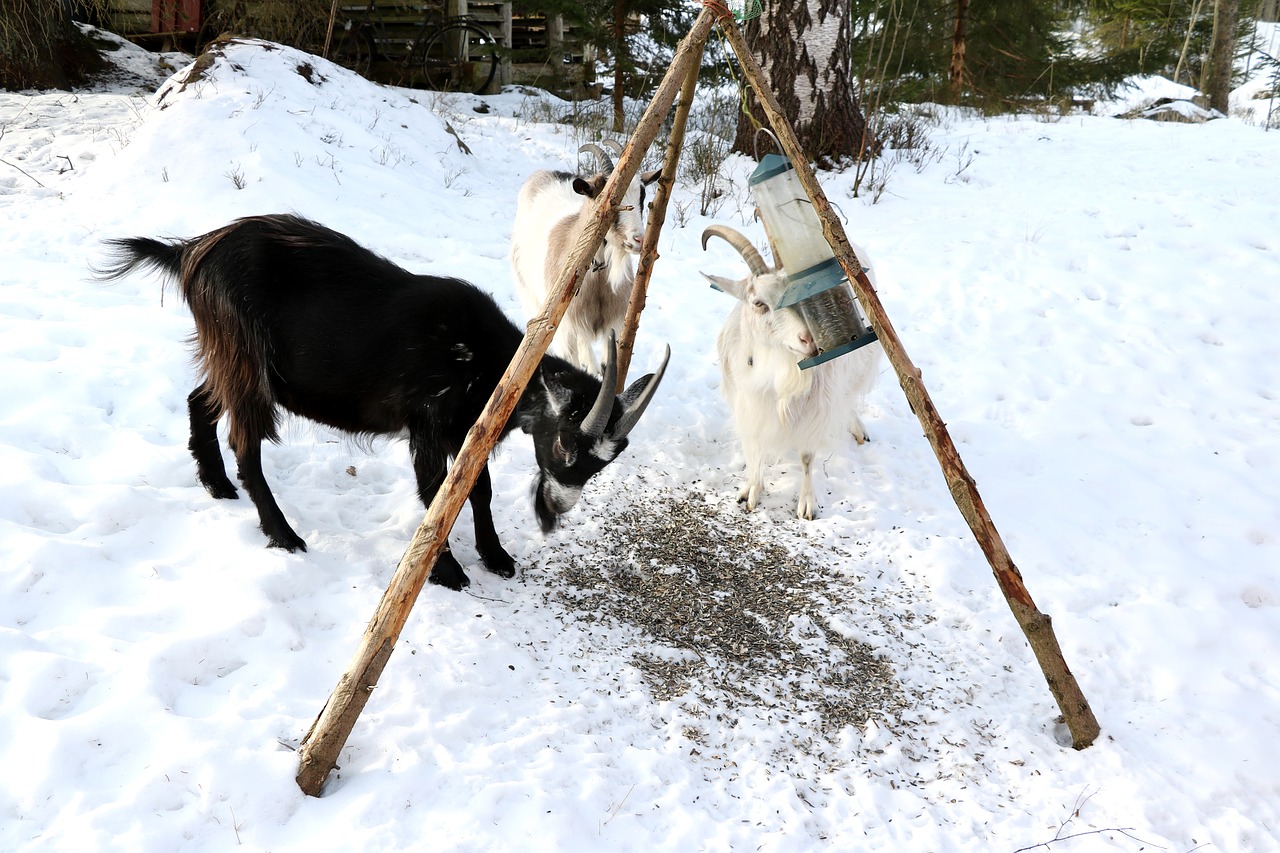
(1037,627)
(318,754)
(656,217)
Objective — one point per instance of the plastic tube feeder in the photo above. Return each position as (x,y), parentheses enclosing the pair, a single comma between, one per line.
(817,285)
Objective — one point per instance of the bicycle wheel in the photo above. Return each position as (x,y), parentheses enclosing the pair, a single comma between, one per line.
(352,47)
(461,57)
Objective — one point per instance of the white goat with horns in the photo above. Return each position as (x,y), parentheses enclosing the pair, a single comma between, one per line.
(777,407)
(552,211)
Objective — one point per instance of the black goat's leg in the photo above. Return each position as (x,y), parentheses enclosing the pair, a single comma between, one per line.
(495,557)
(274,525)
(204,444)
(429,468)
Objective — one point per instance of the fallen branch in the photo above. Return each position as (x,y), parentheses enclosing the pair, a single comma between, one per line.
(11,166)
(1126,831)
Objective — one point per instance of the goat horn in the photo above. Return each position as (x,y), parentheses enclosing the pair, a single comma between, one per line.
(613,144)
(594,423)
(739,242)
(604,158)
(636,398)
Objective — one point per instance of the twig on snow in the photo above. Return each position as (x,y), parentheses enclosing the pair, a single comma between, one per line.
(1126,831)
(25,172)
(618,807)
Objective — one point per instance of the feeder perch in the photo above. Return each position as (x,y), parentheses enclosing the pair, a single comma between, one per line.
(817,285)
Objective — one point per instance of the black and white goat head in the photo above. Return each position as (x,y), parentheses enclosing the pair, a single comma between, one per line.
(572,446)
(292,316)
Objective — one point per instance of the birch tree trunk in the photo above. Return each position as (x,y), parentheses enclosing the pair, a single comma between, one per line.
(804,48)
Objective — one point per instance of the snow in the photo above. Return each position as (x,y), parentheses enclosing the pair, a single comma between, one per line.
(1091,301)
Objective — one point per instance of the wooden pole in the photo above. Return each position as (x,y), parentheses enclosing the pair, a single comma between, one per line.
(321,745)
(328,29)
(1035,625)
(656,217)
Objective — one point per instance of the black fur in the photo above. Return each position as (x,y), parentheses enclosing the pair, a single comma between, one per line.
(292,315)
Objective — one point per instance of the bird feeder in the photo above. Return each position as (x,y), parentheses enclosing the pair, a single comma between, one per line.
(817,285)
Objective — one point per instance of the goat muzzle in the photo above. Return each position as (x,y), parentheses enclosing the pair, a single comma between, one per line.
(551,500)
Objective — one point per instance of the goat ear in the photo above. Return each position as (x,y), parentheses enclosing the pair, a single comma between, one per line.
(590,187)
(558,396)
(647,178)
(732,286)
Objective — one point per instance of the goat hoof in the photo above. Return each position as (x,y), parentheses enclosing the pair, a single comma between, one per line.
(221,490)
(500,564)
(291,542)
(449,576)
(859,432)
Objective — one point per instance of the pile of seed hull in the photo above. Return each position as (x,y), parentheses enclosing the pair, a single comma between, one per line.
(737,621)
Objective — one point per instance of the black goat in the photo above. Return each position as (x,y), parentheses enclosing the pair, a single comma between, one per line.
(292,315)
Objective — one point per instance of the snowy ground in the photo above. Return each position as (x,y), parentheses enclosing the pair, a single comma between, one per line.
(1092,302)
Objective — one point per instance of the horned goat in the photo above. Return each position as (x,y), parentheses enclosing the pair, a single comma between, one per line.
(552,211)
(777,407)
(292,315)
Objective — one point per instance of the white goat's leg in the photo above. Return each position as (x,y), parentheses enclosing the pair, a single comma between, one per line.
(753,490)
(807,506)
(584,357)
(858,430)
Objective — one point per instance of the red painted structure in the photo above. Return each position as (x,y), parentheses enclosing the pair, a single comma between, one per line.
(176,16)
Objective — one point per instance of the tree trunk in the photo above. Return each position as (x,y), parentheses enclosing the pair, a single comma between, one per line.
(40,48)
(957,50)
(1226,18)
(804,48)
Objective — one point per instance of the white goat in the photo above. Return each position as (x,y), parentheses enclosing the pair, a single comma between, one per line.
(777,407)
(552,210)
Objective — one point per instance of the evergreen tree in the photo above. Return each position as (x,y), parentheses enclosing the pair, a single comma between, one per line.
(1011,53)
(1166,37)
(636,38)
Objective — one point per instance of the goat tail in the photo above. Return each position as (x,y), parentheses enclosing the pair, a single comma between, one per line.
(130,253)
(233,347)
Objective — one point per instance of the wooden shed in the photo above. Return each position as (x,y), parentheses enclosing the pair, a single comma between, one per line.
(537,49)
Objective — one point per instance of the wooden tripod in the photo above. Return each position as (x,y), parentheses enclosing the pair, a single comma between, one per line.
(318,754)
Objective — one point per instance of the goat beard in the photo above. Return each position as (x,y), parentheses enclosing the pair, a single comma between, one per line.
(548,518)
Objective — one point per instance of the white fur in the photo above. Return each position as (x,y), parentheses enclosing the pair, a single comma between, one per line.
(550,218)
(559,496)
(779,409)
